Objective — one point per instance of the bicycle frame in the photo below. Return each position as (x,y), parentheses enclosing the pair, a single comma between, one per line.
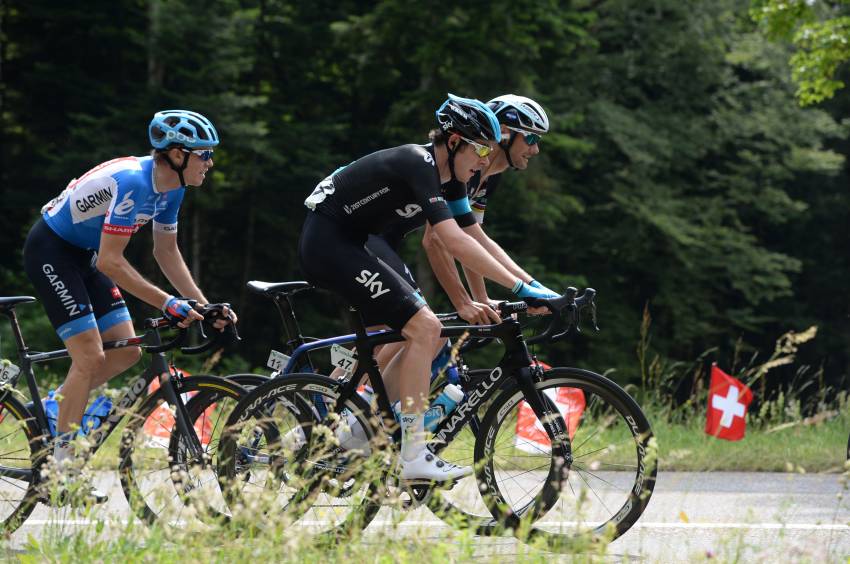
(515,363)
(150,341)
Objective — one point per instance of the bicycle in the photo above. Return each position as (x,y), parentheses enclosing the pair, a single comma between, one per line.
(26,441)
(301,460)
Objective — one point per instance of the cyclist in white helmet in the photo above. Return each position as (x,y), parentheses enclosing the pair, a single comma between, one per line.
(523,121)
(74,256)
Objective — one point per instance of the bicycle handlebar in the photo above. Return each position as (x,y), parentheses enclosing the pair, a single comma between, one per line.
(566,316)
(211,313)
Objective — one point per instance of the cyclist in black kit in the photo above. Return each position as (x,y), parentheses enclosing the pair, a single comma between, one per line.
(367,197)
(523,122)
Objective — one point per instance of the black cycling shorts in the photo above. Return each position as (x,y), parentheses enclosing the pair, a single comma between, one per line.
(384,250)
(76,295)
(335,258)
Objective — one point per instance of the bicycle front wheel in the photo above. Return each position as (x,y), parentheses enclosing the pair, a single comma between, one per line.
(608,482)
(160,478)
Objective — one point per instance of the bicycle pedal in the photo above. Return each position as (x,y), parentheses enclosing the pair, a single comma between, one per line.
(421,483)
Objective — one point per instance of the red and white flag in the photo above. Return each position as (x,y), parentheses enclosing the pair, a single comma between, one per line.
(159,423)
(728,399)
(530,435)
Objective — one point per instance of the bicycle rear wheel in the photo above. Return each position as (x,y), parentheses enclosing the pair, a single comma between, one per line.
(20,455)
(160,479)
(608,483)
(285,453)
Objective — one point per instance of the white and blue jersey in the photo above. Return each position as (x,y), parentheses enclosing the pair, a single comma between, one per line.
(116,197)
(60,258)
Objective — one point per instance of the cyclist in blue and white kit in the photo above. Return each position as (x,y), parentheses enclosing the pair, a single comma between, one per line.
(74,256)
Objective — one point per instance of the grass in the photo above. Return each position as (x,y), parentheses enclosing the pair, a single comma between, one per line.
(811,447)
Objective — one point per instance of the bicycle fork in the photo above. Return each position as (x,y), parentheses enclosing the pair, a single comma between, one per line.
(168,385)
(552,421)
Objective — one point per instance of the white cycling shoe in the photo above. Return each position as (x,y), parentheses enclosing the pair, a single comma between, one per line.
(352,437)
(430,467)
(293,439)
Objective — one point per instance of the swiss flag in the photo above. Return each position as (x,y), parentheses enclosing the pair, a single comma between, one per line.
(728,399)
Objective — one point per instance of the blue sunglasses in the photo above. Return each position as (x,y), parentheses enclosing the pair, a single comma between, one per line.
(530,138)
(204,155)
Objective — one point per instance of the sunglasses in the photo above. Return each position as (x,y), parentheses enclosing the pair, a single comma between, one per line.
(530,138)
(204,155)
(480,150)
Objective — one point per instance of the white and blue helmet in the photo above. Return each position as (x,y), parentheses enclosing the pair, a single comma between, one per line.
(172,128)
(519,112)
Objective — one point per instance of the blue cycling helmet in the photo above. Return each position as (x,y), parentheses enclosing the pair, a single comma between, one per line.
(173,128)
(469,118)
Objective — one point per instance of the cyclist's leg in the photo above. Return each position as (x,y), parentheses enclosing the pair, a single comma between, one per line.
(337,260)
(387,251)
(87,360)
(113,322)
(58,271)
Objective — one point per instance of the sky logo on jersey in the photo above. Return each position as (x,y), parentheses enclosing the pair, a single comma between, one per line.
(436,199)
(375,286)
(61,291)
(409,210)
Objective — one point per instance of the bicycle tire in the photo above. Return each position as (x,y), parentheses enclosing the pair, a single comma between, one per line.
(461,506)
(21,448)
(614,462)
(156,493)
(350,495)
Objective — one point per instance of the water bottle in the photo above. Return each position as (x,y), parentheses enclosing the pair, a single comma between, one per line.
(96,414)
(442,406)
(51,410)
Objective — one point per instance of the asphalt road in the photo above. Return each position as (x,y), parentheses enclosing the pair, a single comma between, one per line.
(747,516)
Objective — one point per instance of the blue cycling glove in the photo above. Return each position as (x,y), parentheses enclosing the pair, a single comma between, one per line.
(176,309)
(523,290)
(539,286)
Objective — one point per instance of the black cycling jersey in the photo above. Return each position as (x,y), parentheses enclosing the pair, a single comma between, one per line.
(383,188)
(467,204)
(479,193)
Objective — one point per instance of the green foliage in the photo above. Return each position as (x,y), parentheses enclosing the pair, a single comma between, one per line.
(820,33)
(679,172)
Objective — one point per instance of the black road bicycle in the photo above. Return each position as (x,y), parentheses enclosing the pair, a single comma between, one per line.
(156,476)
(599,469)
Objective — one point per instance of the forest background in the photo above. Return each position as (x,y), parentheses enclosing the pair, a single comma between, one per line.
(682,177)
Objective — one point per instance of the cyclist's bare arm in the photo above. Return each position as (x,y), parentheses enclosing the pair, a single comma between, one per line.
(111,261)
(476,286)
(471,254)
(171,262)
(476,232)
(443,265)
